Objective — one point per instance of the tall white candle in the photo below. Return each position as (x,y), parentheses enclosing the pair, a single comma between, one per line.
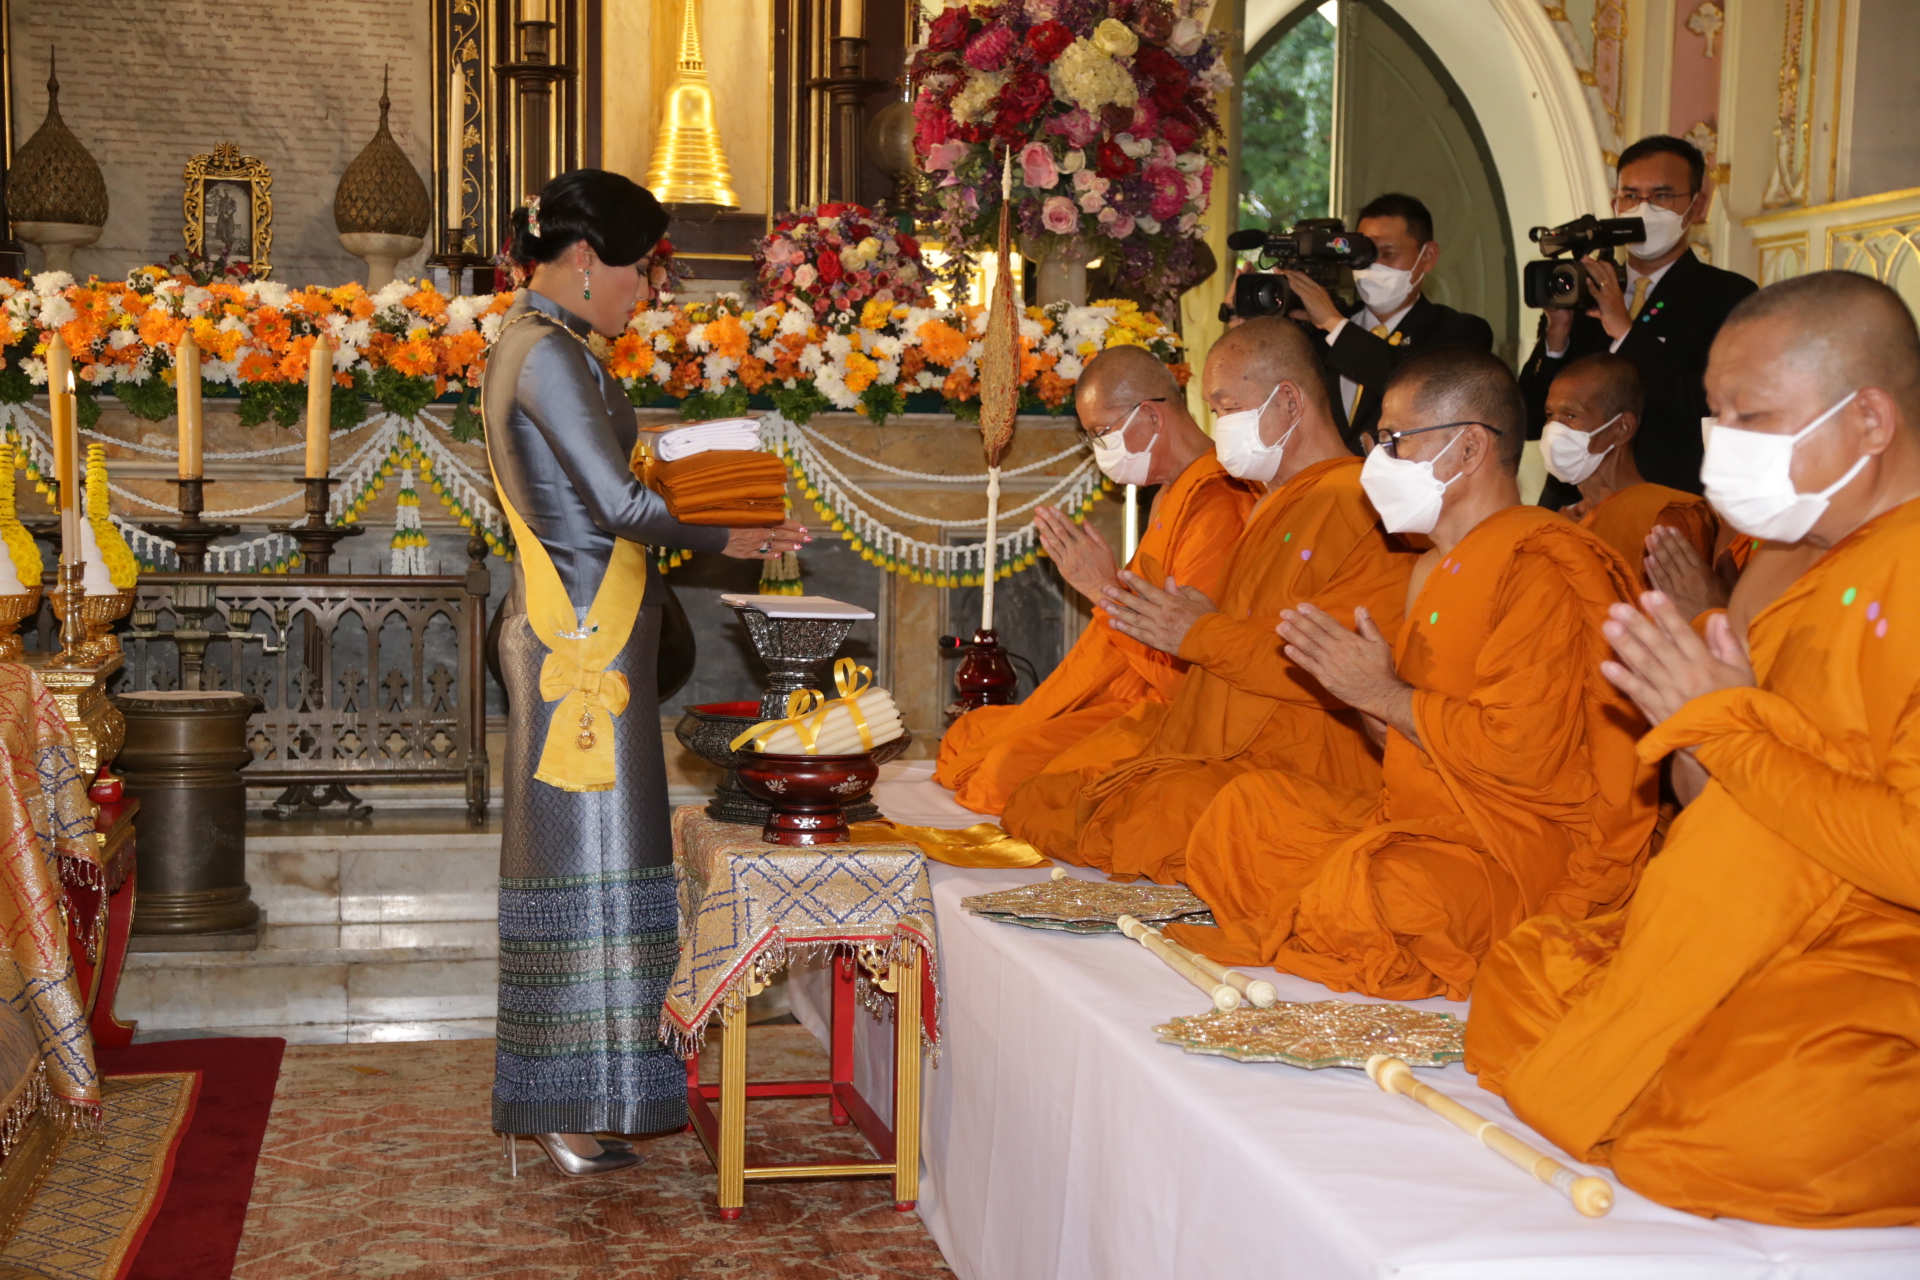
(853,19)
(456,141)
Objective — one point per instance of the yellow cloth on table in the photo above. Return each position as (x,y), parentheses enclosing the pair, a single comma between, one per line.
(981,845)
(740,487)
(578,753)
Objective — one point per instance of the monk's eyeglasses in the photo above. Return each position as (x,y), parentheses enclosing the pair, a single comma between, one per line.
(1390,440)
(1092,437)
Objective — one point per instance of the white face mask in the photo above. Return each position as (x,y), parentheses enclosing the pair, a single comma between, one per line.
(1384,289)
(1236,439)
(1749,480)
(1121,464)
(1406,493)
(1664,229)
(1566,450)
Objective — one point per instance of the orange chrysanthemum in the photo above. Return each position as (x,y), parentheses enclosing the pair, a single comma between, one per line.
(860,372)
(943,344)
(427,301)
(260,366)
(631,356)
(728,337)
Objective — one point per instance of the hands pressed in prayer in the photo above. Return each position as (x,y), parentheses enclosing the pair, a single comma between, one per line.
(1354,666)
(1083,557)
(1675,568)
(1159,619)
(1663,665)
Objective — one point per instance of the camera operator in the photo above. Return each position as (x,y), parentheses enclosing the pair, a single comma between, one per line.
(1663,320)
(1393,319)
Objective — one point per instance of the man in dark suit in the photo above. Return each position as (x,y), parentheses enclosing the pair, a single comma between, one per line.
(1664,320)
(1392,320)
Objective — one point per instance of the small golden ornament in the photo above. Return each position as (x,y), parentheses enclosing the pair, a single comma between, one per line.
(586,738)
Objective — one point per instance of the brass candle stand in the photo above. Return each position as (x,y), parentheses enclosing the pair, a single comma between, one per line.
(76,676)
(192,536)
(315,536)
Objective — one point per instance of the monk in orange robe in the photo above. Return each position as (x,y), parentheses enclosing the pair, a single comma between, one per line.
(1135,411)
(1594,409)
(1125,799)
(1511,784)
(1739,1041)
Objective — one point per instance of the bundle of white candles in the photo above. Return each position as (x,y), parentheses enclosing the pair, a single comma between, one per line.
(844,727)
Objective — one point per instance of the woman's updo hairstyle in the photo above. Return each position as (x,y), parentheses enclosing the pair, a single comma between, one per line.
(613,213)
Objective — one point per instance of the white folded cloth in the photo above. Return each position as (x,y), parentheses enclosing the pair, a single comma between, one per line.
(702,437)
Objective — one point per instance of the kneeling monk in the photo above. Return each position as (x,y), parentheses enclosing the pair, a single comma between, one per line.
(1136,415)
(1125,799)
(1595,406)
(1511,780)
(1740,1041)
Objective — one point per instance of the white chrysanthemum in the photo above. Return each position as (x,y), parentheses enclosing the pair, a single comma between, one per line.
(719,368)
(889,373)
(227,371)
(838,345)
(55,311)
(812,358)
(462,310)
(796,320)
(971,103)
(886,346)
(766,351)
(35,369)
(928,380)
(120,339)
(490,326)
(194,299)
(918,316)
(661,370)
(697,339)
(1069,367)
(231,324)
(274,294)
(1031,328)
(653,321)
(48,283)
(1085,77)
(391,294)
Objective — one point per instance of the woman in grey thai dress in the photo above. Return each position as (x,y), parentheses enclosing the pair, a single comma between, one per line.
(588,927)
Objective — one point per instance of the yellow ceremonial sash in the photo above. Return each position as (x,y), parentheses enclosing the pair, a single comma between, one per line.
(578,754)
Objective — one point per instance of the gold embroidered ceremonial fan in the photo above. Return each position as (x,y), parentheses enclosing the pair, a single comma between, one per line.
(999,386)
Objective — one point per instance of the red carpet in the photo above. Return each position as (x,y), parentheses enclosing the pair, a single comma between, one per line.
(197,1231)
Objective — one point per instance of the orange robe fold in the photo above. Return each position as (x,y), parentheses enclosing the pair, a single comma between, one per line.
(1526,794)
(1624,519)
(1740,1040)
(991,750)
(1126,799)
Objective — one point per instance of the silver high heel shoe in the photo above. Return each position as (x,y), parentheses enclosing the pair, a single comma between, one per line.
(565,1160)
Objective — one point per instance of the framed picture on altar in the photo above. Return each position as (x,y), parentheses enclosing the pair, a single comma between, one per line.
(229,208)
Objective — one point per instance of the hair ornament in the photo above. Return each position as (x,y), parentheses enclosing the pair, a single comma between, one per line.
(533,216)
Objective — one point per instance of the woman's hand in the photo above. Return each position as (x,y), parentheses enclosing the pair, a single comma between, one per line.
(766,543)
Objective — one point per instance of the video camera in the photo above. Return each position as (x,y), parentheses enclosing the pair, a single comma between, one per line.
(1561,282)
(1320,248)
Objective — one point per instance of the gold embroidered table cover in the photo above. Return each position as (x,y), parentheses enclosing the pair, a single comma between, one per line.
(746,906)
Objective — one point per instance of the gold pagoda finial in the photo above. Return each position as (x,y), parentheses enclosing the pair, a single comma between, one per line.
(690,169)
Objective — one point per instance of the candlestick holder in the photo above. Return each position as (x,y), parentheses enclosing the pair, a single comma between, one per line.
(847,89)
(192,536)
(72,594)
(315,536)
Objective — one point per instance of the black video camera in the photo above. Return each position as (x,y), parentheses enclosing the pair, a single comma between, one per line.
(1561,282)
(1320,248)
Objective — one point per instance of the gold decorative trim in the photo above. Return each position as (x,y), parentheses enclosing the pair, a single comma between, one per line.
(1839,87)
(1877,247)
(224,164)
(1783,257)
(1817,210)
(1793,131)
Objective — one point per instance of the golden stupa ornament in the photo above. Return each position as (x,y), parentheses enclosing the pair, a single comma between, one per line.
(56,197)
(690,169)
(381,209)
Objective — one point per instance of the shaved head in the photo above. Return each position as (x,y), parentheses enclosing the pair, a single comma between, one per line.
(1465,384)
(1609,384)
(1267,351)
(1126,375)
(1847,331)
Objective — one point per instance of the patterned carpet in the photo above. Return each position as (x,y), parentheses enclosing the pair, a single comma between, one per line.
(379,1162)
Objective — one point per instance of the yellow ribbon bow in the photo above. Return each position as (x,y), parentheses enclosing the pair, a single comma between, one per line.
(852,679)
(805,714)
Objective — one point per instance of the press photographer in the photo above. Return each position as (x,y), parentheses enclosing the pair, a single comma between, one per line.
(1393,319)
(1661,312)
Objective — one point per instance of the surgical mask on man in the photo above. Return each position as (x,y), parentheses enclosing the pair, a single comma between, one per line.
(1405,492)
(1236,439)
(1664,229)
(1384,289)
(1748,476)
(1567,451)
(1121,464)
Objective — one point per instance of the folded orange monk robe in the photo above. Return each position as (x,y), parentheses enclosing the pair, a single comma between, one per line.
(1740,1039)
(1125,799)
(1527,796)
(991,750)
(1624,519)
(721,486)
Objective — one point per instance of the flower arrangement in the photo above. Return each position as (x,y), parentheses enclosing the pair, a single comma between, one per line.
(28,565)
(114,551)
(407,345)
(838,258)
(1107,108)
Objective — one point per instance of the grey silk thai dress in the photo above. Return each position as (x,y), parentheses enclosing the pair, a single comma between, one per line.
(588,920)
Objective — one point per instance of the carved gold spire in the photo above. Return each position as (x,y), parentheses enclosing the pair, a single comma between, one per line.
(53,178)
(689,166)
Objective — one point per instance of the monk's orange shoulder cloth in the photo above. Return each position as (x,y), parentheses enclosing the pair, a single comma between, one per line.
(1624,519)
(1189,536)
(1756,996)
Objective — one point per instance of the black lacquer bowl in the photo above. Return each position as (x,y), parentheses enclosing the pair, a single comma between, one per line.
(708,730)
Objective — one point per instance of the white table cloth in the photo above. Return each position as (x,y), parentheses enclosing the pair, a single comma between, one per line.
(1063,1140)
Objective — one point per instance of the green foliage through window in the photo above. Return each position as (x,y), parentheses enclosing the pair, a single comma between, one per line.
(1286,131)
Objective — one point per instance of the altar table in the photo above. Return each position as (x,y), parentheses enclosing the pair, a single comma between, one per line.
(1062,1140)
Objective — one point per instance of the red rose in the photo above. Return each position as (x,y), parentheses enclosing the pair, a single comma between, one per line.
(1177,133)
(909,246)
(948,34)
(1114,163)
(832,210)
(1023,96)
(1049,40)
(829,267)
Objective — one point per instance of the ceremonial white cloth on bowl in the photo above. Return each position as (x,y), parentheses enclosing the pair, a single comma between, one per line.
(1062,1140)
